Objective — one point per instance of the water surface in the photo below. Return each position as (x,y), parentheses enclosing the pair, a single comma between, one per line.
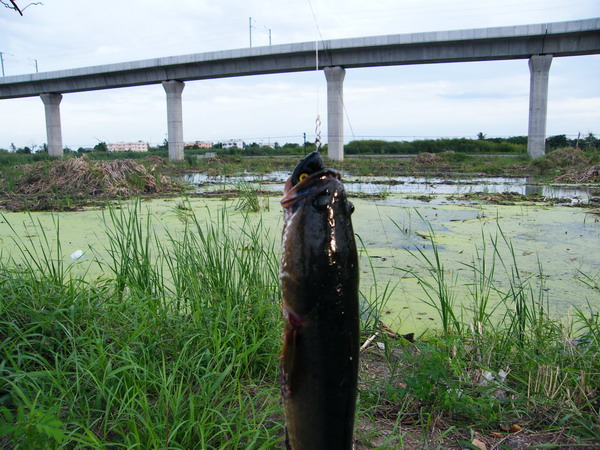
(550,247)
(406,185)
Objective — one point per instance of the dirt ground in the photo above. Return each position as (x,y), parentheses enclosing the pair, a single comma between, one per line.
(388,427)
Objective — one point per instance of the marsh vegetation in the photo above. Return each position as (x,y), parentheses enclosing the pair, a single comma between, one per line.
(34,182)
(171,338)
(168,335)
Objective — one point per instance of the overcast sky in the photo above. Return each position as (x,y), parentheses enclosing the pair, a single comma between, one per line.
(405,102)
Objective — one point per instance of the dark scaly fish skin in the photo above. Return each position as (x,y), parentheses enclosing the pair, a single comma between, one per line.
(319,284)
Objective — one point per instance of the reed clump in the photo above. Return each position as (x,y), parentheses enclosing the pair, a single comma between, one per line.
(250,198)
(69,183)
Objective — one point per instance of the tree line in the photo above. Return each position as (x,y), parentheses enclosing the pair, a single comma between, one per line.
(480,145)
(483,145)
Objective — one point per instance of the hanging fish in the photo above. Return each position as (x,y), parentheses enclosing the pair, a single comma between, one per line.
(319,285)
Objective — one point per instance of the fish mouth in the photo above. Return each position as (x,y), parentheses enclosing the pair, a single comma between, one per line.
(307,187)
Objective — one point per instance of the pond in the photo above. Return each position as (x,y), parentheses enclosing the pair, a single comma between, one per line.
(417,185)
(551,248)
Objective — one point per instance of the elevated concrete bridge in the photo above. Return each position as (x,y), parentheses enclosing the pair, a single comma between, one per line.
(539,43)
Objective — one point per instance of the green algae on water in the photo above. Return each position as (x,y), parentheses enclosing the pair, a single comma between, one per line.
(552,245)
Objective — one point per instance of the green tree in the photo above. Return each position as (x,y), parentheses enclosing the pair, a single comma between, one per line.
(101,147)
(591,142)
(557,141)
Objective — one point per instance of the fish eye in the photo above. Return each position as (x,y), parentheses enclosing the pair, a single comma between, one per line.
(302,176)
(351,207)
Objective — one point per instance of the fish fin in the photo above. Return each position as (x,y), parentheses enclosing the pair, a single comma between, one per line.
(288,355)
(287,361)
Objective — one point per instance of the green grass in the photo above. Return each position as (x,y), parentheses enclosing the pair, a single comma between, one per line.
(249,198)
(501,357)
(176,345)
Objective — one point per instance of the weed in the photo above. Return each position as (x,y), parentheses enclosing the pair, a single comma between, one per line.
(176,344)
(184,355)
(440,294)
(372,305)
(249,199)
(507,361)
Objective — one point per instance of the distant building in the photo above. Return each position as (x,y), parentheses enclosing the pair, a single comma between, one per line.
(138,146)
(232,143)
(267,144)
(199,144)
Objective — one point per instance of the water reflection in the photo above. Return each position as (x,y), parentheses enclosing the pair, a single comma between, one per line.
(274,181)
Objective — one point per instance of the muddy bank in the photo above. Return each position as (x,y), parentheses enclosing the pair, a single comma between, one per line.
(72,183)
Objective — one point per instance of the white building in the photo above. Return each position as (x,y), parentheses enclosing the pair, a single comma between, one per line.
(138,146)
(232,143)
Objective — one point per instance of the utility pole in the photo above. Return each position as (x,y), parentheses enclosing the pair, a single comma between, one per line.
(268,31)
(304,144)
(36,66)
(2,62)
(250,29)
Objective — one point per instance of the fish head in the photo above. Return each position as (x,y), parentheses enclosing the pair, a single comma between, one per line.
(313,186)
(318,247)
(312,163)
(319,194)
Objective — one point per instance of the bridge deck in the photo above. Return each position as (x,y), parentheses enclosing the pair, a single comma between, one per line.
(580,37)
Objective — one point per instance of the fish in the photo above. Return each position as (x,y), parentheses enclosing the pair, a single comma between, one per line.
(319,281)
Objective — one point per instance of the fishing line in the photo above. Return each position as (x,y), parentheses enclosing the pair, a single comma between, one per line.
(387,244)
(318,119)
(346,114)
(315,19)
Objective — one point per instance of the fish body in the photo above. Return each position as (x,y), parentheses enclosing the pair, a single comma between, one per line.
(319,284)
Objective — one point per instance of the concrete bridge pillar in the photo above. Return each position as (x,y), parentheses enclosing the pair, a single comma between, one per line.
(335,112)
(174,88)
(539,68)
(53,131)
